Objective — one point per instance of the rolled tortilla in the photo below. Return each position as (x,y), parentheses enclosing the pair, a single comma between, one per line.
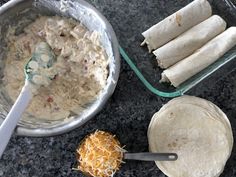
(189,41)
(202,58)
(177,23)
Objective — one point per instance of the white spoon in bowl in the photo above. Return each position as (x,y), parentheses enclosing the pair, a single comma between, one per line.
(38,72)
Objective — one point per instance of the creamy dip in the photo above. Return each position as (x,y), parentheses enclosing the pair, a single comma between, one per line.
(81,64)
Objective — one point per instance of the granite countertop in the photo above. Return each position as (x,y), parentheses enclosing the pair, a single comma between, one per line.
(127,114)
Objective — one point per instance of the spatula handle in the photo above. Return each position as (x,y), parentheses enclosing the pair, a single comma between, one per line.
(8,125)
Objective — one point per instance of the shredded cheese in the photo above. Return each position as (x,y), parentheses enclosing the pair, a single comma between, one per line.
(100,155)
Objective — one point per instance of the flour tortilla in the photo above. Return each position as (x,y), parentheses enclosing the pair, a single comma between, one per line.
(177,23)
(189,41)
(202,58)
(198,131)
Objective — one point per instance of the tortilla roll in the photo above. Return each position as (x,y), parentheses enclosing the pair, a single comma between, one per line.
(202,58)
(176,24)
(189,41)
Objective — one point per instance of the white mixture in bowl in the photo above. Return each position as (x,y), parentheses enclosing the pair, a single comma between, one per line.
(81,63)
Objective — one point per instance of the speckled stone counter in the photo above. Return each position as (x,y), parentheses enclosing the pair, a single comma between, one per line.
(128,112)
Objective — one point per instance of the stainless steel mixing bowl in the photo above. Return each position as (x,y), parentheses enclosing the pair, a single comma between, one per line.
(13,12)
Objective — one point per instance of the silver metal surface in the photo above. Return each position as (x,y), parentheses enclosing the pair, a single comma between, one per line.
(12,12)
(148,156)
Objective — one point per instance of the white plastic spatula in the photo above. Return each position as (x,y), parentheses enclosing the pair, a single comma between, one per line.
(38,72)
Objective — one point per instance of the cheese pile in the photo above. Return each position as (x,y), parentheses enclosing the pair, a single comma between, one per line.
(100,154)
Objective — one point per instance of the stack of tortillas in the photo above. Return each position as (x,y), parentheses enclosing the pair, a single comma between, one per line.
(198,131)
